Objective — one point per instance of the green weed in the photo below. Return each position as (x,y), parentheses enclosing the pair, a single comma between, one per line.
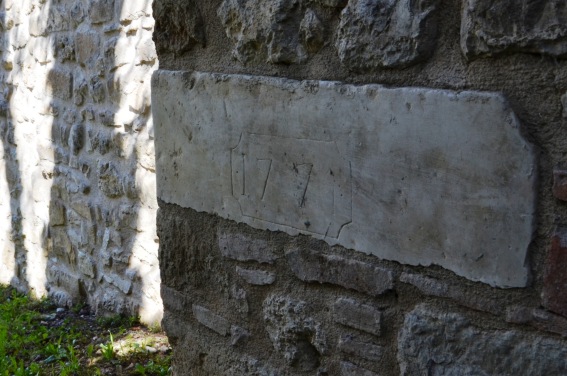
(107,349)
(35,340)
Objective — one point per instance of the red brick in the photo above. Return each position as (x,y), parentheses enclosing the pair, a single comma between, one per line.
(554,294)
(560,184)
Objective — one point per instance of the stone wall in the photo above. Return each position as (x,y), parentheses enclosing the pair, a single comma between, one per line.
(445,121)
(77,178)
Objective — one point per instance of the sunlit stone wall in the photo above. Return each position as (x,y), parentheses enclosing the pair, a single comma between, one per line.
(77,179)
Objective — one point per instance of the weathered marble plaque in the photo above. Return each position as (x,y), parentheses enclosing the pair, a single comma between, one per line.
(418,176)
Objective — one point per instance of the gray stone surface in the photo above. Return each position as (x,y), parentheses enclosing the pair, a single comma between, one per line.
(293,332)
(460,294)
(490,27)
(109,180)
(243,248)
(350,369)
(427,285)
(283,32)
(86,265)
(238,335)
(438,342)
(255,276)
(275,154)
(173,301)
(179,25)
(101,11)
(356,315)
(87,47)
(311,266)
(61,84)
(211,320)
(349,344)
(538,318)
(386,33)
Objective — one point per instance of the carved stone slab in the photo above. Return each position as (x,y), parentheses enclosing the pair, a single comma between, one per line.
(418,176)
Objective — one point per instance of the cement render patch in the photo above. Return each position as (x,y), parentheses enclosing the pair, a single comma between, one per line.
(419,176)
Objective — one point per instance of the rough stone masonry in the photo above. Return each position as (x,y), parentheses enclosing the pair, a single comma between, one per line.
(362,187)
(77,178)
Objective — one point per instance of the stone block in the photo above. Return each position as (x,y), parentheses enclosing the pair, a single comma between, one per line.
(560,184)
(427,285)
(146,51)
(59,84)
(179,25)
(99,141)
(350,369)
(97,90)
(238,335)
(49,18)
(280,33)
(352,346)
(294,334)
(109,180)
(312,32)
(124,285)
(239,299)
(86,264)
(60,276)
(87,47)
(101,11)
(61,244)
(256,277)
(77,138)
(438,342)
(134,10)
(243,248)
(56,213)
(71,116)
(87,114)
(83,208)
(211,320)
(107,118)
(430,162)
(554,292)
(77,13)
(492,27)
(460,294)
(385,33)
(310,266)
(64,48)
(356,315)
(80,92)
(173,301)
(538,318)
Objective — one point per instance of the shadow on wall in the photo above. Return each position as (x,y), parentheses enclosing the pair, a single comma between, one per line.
(78,154)
(9,177)
(21,228)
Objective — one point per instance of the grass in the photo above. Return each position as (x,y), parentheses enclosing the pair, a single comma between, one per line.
(37,339)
